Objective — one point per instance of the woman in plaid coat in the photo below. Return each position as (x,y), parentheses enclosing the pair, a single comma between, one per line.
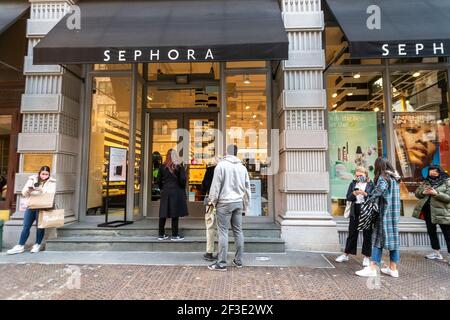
(385,233)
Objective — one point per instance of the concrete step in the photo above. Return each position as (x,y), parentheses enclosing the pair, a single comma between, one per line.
(189,244)
(153,232)
(149,228)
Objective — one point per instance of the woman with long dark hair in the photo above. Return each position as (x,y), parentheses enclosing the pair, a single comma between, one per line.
(434,207)
(35,186)
(171,180)
(385,229)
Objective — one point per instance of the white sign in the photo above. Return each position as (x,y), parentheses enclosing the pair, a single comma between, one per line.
(117,164)
(255,198)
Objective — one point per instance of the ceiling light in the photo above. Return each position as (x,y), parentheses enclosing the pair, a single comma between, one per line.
(150,98)
(335,105)
(247,79)
(261,123)
(228,115)
(247,107)
(357,76)
(254,116)
(416,74)
(376,109)
(334,95)
(350,94)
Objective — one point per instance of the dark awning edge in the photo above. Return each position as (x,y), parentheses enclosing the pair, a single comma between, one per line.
(408,28)
(10,12)
(175,31)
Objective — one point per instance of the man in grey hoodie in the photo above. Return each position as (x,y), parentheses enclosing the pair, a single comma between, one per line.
(230,193)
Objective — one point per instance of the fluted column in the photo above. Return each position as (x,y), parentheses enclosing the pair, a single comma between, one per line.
(303,182)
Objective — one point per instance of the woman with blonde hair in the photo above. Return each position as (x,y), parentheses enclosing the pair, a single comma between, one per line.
(35,186)
(171,180)
(358,191)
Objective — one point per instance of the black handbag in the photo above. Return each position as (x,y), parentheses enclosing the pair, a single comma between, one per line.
(370,211)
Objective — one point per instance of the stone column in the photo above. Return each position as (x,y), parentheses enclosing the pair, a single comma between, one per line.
(50,128)
(303,181)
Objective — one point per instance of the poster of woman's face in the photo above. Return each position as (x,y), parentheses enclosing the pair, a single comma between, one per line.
(420,143)
(416,145)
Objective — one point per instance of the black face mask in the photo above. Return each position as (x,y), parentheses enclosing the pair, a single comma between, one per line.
(437,181)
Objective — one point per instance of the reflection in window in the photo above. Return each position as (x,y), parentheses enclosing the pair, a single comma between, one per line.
(110,119)
(5,137)
(356,129)
(421,127)
(247,128)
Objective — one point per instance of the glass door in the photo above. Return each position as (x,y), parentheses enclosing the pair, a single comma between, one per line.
(194,138)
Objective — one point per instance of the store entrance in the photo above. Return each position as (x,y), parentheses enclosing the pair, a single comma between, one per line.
(193,135)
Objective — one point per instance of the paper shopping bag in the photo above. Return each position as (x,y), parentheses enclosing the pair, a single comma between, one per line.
(41,201)
(51,218)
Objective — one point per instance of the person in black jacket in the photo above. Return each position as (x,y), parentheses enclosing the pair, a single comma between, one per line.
(210,217)
(358,191)
(172,180)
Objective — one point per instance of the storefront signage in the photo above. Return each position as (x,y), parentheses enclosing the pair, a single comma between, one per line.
(401,49)
(353,143)
(117,164)
(255,198)
(148,55)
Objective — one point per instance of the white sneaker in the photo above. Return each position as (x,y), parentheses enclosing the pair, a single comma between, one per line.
(342,258)
(36,248)
(366,262)
(367,272)
(17,249)
(434,256)
(389,272)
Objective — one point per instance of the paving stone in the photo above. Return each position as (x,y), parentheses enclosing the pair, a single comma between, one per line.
(419,279)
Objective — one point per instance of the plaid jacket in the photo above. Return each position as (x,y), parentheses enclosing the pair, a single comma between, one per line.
(385,232)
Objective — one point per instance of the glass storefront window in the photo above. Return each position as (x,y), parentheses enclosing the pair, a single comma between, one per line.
(201,96)
(110,119)
(246,126)
(421,127)
(112,67)
(356,129)
(246,64)
(195,70)
(138,149)
(5,138)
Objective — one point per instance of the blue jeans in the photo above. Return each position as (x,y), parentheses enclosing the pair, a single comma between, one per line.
(28,219)
(377,253)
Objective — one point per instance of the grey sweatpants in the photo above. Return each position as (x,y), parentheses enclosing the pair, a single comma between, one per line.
(226,213)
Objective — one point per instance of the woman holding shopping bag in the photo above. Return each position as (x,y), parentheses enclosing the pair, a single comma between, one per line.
(36,185)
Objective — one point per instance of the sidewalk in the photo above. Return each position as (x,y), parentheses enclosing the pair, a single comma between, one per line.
(419,279)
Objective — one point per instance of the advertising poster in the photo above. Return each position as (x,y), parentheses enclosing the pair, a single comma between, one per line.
(416,147)
(255,198)
(353,142)
(444,145)
(117,164)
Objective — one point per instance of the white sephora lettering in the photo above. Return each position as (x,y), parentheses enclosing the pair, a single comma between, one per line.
(402,49)
(156,55)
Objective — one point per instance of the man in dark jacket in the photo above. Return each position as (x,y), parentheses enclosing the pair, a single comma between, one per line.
(210,220)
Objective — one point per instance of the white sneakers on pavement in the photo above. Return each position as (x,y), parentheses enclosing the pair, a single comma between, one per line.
(390,272)
(366,262)
(342,258)
(434,256)
(16,249)
(36,248)
(367,272)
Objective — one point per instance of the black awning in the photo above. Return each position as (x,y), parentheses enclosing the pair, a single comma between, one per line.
(173,31)
(407,28)
(10,12)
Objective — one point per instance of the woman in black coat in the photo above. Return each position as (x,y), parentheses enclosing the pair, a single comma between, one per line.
(171,180)
(358,191)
